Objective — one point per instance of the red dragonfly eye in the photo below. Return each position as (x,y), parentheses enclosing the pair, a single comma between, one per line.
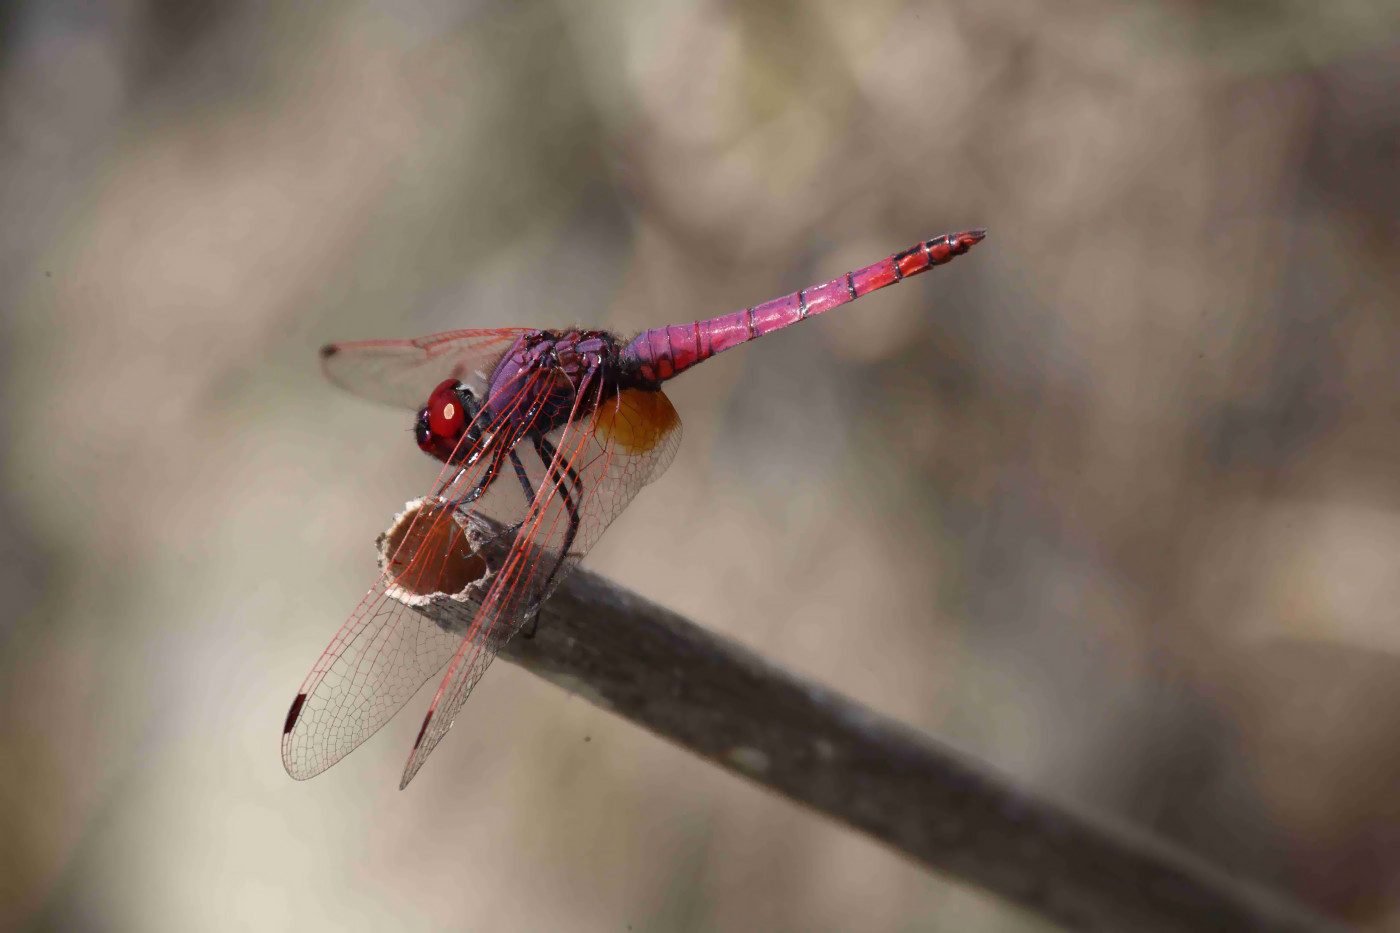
(445,415)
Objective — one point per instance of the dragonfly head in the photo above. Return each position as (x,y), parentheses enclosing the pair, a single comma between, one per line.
(444,420)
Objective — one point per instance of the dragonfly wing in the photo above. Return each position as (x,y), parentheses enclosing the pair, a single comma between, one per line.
(386,650)
(404,372)
(382,655)
(582,476)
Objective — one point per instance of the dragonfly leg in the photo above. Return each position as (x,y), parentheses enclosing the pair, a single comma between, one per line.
(520,475)
(487,478)
(572,491)
(529,497)
(573,496)
(471,409)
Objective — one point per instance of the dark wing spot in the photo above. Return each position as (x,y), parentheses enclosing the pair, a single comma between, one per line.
(294,712)
(422,730)
(329,350)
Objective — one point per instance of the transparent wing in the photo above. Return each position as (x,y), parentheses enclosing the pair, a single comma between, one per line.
(583,476)
(386,651)
(405,372)
(382,655)
(499,556)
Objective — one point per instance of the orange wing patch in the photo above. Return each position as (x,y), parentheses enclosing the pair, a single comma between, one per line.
(636,420)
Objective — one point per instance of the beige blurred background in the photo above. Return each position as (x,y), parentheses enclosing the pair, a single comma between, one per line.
(1111,503)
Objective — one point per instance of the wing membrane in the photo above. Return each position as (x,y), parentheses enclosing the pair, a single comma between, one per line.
(404,372)
(385,651)
(520,547)
(601,461)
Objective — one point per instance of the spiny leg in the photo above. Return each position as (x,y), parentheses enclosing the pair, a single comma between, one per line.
(529,498)
(487,478)
(471,409)
(547,452)
(573,496)
(520,475)
(498,455)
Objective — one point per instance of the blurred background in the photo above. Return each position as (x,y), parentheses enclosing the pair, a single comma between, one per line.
(1110,504)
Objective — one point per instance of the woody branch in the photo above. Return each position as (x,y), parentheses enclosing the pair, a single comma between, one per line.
(716,698)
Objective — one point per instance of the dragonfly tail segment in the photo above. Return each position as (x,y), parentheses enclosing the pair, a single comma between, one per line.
(665,352)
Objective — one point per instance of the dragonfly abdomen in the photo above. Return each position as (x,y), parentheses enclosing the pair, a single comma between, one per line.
(664,352)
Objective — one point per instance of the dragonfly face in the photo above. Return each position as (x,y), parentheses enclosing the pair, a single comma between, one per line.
(442,423)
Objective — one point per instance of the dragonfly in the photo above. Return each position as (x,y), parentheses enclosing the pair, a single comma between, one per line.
(544,437)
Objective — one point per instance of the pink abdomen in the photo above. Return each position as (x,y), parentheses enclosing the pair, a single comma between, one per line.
(664,352)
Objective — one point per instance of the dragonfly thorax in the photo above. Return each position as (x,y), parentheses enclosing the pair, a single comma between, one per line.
(538,380)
